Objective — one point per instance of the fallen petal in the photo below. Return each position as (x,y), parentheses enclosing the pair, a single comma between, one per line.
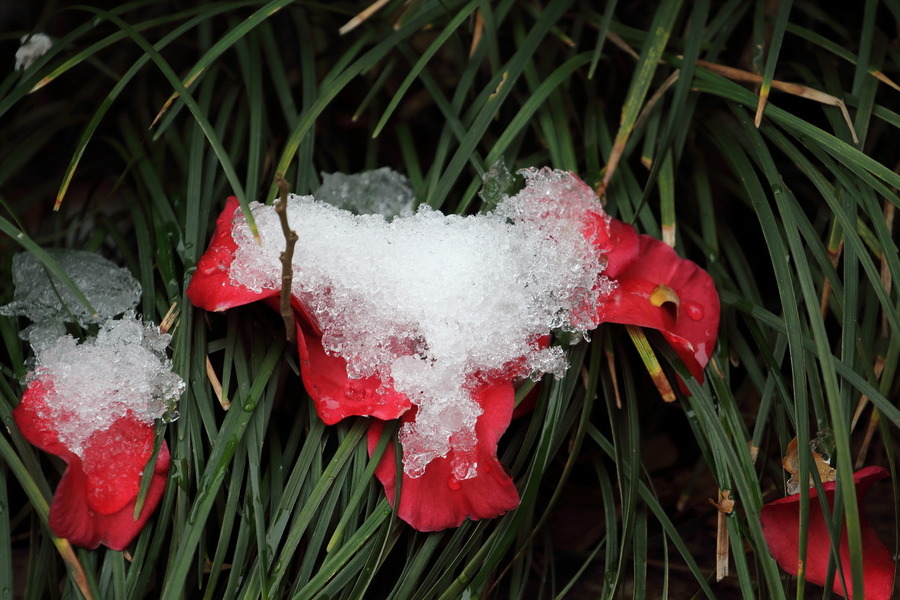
(781,528)
(335,394)
(438,500)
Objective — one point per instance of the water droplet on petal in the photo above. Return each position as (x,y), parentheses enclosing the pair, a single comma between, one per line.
(454,484)
(693,310)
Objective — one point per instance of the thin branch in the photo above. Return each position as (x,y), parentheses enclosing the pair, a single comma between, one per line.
(287,257)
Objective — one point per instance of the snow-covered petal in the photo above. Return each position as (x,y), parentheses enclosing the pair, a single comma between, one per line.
(96,498)
(212,287)
(438,500)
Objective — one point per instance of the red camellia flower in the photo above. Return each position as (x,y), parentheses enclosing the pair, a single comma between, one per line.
(645,284)
(781,527)
(96,498)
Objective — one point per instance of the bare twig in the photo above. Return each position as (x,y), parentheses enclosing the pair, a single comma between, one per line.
(287,257)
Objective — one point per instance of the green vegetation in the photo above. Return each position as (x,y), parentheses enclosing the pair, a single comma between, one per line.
(145,116)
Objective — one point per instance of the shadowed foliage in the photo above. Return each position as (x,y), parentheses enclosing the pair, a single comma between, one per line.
(758,138)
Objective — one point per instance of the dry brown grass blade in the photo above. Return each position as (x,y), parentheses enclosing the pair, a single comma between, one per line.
(884,79)
(874,418)
(724,506)
(611,365)
(794,89)
(168,322)
(216,385)
(168,103)
(864,400)
(655,98)
(761,107)
(477,32)
(615,154)
(620,43)
(886,281)
(651,363)
(361,17)
(76,571)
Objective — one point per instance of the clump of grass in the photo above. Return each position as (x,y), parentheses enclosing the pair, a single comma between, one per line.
(143,118)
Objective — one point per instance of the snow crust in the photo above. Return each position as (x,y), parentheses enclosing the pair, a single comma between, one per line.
(381,191)
(91,385)
(43,298)
(433,304)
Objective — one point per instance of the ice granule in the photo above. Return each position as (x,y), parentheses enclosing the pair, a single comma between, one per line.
(32,48)
(91,384)
(44,299)
(495,184)
(377,192)
(434,304)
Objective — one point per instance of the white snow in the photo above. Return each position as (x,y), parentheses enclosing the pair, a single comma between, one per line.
(434,303)
(92,384)
(32,48)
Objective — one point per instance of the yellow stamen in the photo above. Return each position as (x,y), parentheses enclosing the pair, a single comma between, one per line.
(662,294)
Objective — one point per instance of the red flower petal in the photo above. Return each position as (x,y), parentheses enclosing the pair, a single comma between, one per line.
(437,500)
(95,500)
(113,461)
(336,395)
(118,529)
(780,523)
(72,515)
(618,242)
(211,287)
(690,323)
(641,264)
(38,429)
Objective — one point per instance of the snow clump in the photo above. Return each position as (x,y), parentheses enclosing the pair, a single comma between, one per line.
(433,304)
(92,384)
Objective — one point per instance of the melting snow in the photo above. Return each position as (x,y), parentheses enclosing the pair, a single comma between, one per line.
(378,192)
(44,299)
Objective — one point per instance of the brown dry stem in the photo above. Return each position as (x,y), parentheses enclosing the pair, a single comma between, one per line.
(287,274)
